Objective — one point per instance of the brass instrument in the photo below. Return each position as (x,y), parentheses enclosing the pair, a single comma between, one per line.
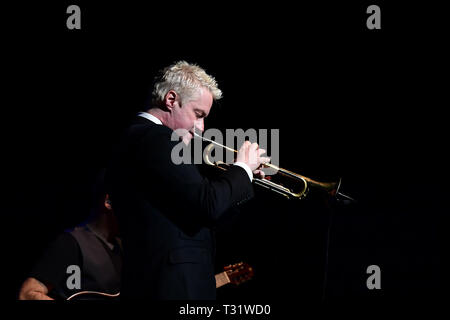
(287,183)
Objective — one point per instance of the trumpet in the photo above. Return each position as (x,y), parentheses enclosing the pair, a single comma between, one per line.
(287,183)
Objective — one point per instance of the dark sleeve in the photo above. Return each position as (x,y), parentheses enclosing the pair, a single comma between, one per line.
(51,268)
(181,188)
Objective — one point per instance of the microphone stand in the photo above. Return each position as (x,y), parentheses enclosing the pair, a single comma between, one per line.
(338,199)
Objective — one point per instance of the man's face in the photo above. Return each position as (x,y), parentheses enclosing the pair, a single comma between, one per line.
(192,114)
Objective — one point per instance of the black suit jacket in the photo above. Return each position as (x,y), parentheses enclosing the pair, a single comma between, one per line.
(166,214)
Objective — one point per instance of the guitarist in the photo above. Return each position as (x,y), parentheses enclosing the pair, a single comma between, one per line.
(94,247)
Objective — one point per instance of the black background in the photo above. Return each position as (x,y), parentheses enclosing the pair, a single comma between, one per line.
(365,105)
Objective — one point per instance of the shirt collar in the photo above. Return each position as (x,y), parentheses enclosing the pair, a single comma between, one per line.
(150,117)
(100,236)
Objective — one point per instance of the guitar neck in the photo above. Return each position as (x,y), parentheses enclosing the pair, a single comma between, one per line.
(222,279)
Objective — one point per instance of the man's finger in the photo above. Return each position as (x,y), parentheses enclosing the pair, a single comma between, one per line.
(259,173)
(254,146)
(264,159)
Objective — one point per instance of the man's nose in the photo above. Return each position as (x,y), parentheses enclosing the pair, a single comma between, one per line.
(200,125)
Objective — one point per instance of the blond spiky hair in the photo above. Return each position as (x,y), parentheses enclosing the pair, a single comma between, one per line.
(185,79)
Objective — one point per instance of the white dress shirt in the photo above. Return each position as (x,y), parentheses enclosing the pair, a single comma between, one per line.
(150,117)
(154,119)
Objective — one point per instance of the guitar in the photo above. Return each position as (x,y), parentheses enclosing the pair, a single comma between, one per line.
(234,273)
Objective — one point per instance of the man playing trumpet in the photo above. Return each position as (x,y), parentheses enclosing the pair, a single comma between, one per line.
(167,211)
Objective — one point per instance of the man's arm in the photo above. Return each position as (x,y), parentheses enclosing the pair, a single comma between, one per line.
(182,189)
(33,289)
(49,273)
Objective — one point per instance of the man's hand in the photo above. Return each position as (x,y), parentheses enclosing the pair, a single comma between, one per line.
(250,154)
(32,289)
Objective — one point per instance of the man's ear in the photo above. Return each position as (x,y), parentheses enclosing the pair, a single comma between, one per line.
(170,100)
(108,202)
